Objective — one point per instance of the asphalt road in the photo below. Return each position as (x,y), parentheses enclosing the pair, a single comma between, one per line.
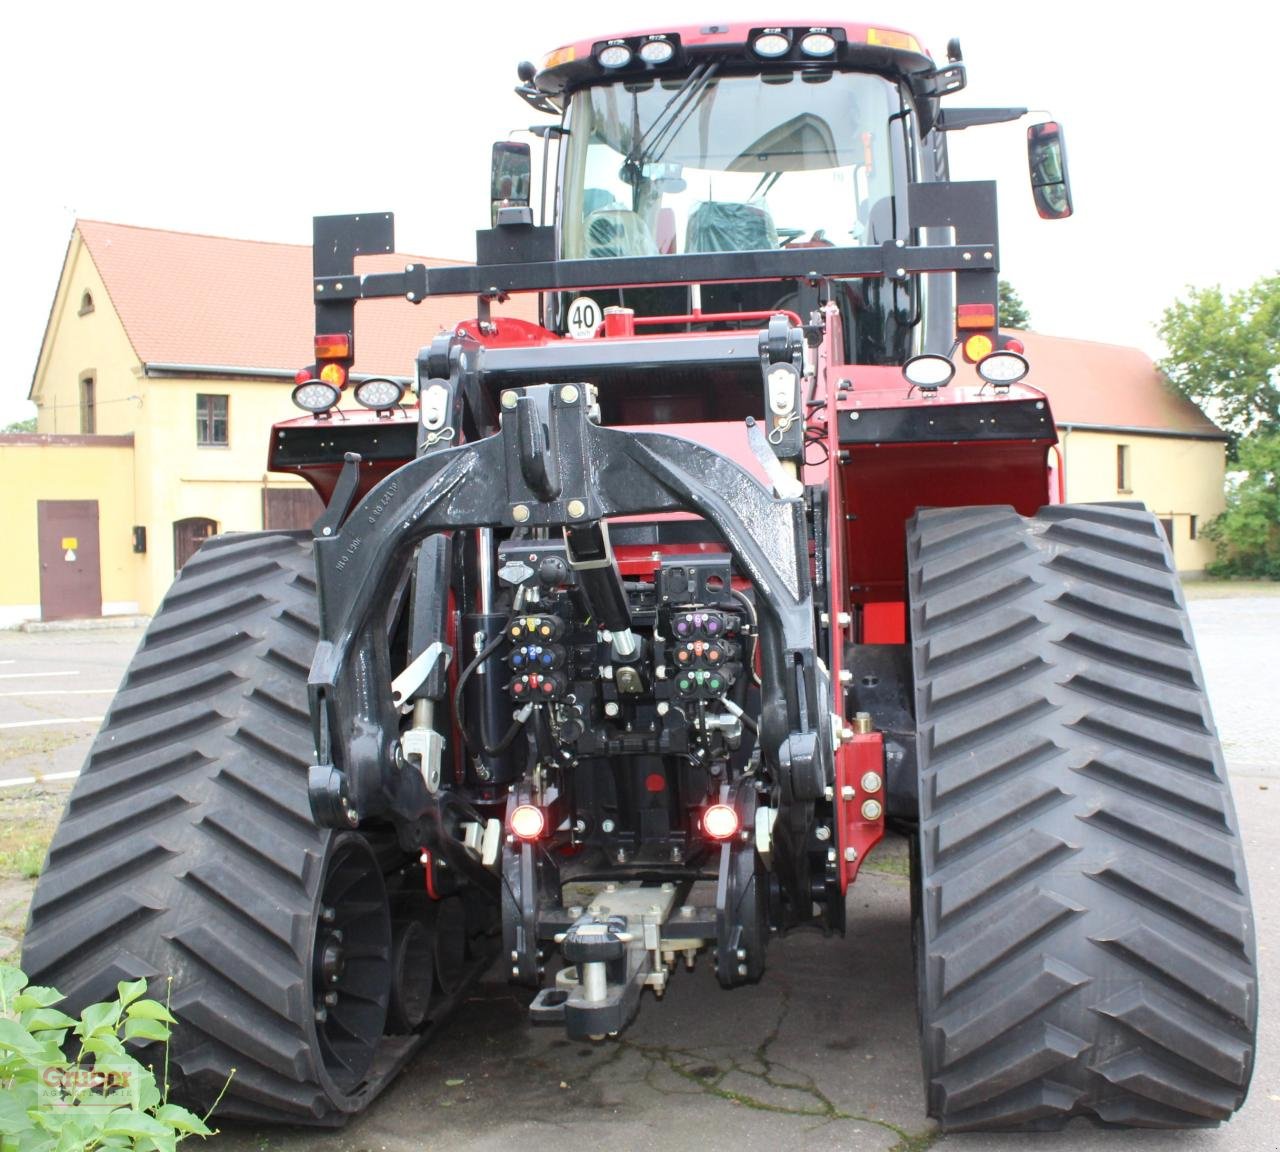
(821,1054)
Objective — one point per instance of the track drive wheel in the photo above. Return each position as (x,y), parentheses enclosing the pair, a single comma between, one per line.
(188,850)
(1084,934)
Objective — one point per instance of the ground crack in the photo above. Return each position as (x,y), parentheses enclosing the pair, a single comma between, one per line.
(707,1078)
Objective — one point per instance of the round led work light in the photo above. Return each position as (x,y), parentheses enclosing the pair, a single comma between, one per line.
(614,56)
(379,393)
(817,44)
(1003,368)
(316,396)
(929,371)
(771,45)
(657,51)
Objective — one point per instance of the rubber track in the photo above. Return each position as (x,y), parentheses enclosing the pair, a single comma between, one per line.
(187,848)
(1086,944)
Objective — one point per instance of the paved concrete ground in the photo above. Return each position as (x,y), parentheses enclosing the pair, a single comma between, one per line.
(54,689)
(822,1054)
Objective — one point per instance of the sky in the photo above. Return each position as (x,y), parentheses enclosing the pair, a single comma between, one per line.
(246,119)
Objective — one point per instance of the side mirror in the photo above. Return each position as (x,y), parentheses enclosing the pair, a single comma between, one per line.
(1047,161)
(510,179)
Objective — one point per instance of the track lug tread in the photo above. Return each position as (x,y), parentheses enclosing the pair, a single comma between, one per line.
(1086,942)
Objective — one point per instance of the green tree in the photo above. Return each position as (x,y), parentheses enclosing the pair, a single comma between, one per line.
(1224,353)
(1248,532)
(1013,312)
(28,425)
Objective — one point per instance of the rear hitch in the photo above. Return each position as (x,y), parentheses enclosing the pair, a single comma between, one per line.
(611,951)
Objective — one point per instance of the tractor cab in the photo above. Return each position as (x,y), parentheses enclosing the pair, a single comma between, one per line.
(732,138)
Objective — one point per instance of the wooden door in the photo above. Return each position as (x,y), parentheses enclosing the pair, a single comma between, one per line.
(70,565)
(284,508)
(188,535)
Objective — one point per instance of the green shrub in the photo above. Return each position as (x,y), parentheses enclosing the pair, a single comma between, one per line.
(103,1097)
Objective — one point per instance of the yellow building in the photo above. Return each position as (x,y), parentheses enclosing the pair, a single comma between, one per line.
(168,357)
(1125,435)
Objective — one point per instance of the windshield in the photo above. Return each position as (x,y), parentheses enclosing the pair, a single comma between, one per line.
(706,163)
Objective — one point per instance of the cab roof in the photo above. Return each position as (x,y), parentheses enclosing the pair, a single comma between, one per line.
(874,47)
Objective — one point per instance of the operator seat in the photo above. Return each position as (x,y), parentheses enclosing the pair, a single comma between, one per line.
(615,231)
(728,227)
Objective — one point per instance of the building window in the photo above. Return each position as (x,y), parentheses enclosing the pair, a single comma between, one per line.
(1195,527)
(86,303)
(1124,473)
(88,416)
(211,420)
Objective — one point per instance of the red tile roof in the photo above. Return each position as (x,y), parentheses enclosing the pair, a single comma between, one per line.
(214,301)
(1109,386)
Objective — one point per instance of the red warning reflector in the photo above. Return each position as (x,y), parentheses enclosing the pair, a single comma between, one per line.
(720,822)
(655,782)
(528,822)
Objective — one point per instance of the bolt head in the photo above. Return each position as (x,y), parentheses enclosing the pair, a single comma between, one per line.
(846,677)
(611,708)
(509,399)
(851,854)
(822,832)
(607,826)
(577,509)
(742,969)
(871,782)
(871,809)
(847,793)
(520,513)
(569,394)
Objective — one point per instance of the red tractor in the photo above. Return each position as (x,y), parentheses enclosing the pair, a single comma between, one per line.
(628,638)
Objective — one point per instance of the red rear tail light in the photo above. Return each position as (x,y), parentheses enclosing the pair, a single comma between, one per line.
(334,346)
(975,316)
(527,822)
(720,822)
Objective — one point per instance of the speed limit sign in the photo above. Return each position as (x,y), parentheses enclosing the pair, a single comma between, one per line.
(584,318)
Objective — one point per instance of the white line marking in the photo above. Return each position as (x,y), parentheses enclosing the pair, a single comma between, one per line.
(48,776)
(62,692)
(30,675)
(57,720)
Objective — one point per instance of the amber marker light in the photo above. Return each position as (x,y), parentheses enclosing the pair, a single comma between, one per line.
(977,346)
(527,822)
(720,822)
(334,374)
